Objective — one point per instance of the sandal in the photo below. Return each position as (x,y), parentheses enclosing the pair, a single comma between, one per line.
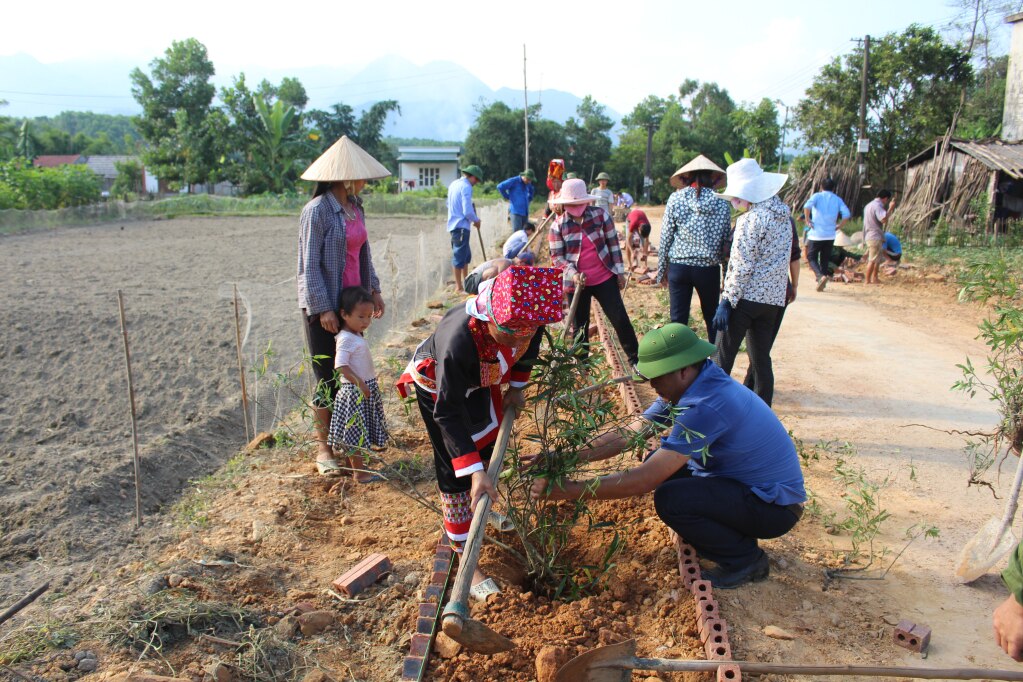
(328,467)
(481,591)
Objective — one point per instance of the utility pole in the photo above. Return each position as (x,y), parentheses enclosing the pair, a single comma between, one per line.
(862,144)
(784,125)
(525,108)
(648,176)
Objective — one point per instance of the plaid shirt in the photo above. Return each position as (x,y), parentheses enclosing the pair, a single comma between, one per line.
(566,242)
(322,247)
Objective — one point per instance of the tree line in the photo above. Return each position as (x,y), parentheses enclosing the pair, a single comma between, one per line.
(261,137)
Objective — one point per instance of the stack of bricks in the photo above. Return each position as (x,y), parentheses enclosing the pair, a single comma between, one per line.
(618,368)
(712,626)
(414,665)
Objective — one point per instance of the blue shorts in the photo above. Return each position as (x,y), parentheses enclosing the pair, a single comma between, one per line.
(460,253)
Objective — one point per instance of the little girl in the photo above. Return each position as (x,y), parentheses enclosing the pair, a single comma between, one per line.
(358,419)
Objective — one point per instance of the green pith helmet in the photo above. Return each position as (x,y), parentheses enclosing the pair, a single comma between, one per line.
(571,176)
(528,173)
(669,349)
(603,176)
(474,170)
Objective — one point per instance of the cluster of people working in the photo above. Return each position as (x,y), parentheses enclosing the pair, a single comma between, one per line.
(722,468)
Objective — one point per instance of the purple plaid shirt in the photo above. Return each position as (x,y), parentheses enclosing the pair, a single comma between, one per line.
(322,247)
(566,242)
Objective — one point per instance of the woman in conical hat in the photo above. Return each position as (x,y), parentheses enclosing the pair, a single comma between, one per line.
(333,253)
(694,232)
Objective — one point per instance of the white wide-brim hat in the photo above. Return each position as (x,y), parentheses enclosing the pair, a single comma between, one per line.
(842,239)
(748,181)
(700,163)
(345,160)
(573,192)
(857,238)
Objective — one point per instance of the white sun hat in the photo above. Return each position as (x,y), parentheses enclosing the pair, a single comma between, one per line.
(842,239)
(345,160)
(573,192)
(748,181)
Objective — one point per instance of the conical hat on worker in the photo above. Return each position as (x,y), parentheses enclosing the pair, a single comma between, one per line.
(345,160)
(700,163)
(842,239)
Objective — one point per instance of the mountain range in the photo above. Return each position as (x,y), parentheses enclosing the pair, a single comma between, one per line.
(438,100)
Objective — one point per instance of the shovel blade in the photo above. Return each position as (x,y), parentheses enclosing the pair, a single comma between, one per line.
(991,543)
(603,664)
(477,637)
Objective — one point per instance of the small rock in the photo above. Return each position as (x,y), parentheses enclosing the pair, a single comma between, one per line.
(445,646)
(807,606)
(782,562)
(548,661)
(285,627)
(412,579)
(154,585)
(775,632)
(435,304)
(220,672)
(648,601)
(88,665)
(315,622)
(175,579)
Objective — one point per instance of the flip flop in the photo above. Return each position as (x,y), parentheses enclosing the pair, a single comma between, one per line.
(481,591)
(328,467)
(375,478)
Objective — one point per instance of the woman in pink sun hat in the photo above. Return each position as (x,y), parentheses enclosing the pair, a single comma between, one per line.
(584,244)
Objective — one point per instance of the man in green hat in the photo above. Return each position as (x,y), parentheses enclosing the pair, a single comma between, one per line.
(519,191)
(727,473)
(461,218)
(605,197)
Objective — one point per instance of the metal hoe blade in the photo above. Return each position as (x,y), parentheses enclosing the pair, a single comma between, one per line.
(476,636)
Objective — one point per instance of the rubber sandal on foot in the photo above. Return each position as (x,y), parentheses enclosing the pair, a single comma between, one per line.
(328,467)
(482,590)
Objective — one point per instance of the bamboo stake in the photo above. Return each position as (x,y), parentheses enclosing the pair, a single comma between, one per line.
(23,602)
(241,365)
(134,419)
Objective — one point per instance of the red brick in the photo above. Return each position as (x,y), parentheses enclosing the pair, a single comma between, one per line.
(441,565)
(718,652)
(412,667)
(712,626)
(428,610)
(705,609)
(433,593)
(362,575)
(911,636)
(439,577)
(444,551)
(701,589)
(686,551)
(729,673)
(689,573)
(419,646)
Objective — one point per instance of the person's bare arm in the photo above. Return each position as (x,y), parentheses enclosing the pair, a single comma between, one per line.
(794,277)
(1008,624)
(636,481)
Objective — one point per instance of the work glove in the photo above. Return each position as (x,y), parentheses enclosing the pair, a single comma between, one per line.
(724,311)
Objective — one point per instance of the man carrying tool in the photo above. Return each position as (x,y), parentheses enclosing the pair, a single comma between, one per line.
(519,192)
(461,218)
(725,476)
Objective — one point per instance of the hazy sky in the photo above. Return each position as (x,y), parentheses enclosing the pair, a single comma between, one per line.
(619,52)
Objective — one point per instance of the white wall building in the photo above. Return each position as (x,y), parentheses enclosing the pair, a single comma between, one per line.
(425,167)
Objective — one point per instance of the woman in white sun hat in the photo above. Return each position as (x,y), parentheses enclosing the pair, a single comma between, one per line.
(758,271)
(333,253)
(584,244)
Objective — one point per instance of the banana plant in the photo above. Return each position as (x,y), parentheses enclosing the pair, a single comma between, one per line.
(279,143)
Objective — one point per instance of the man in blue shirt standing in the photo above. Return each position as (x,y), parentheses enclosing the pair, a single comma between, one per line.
(726,475)
(461,217)
(825,212)
(519,192)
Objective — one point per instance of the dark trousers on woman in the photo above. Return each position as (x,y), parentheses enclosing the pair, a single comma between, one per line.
(721,518)
(750,381)
(321,346)
(760,320)
(682,279)
(819,255)
(609,296)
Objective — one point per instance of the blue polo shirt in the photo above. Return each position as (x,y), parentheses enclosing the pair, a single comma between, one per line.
(518,193)
(825,207)
(461,212)
(728,431)
(892,244)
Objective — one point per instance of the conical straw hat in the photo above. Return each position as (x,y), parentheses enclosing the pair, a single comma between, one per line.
(345,160)
(701,162)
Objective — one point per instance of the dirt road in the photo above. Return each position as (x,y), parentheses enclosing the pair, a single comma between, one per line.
(861,365)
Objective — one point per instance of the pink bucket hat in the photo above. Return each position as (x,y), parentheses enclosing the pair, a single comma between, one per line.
(573,192)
